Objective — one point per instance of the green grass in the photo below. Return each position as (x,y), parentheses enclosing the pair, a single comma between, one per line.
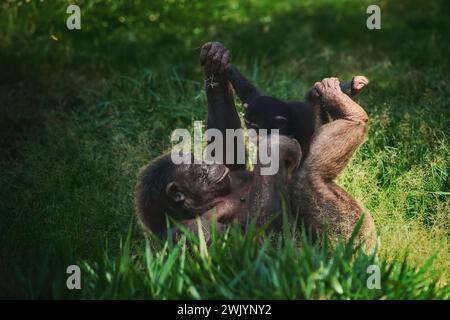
(81,115)
(235,266)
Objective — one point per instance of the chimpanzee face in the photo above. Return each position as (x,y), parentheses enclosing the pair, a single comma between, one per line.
(199,186)
(267,113)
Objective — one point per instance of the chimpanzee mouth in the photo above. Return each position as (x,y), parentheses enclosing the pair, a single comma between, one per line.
(224,175)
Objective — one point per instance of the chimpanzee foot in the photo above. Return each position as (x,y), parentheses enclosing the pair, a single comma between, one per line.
(330,92)
(350,88)
(339,104)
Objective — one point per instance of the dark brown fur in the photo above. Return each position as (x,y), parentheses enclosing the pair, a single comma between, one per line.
(314,197)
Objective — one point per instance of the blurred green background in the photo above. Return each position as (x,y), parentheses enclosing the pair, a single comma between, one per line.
(83,110)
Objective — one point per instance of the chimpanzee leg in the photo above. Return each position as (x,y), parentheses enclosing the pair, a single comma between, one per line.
(320,201)
(334,143)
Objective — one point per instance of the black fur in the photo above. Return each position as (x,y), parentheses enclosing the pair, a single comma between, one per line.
(294,119)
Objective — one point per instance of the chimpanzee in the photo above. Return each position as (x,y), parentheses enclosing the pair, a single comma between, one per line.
(231,194)
(293,118)
(234,195)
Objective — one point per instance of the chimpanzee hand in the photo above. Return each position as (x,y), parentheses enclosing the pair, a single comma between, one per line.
(358,83)
(214,58)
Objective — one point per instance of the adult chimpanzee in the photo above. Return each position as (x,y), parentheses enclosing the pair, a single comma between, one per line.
(293,118)
(234,195)
(231,194)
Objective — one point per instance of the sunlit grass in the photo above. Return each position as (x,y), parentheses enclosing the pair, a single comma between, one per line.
(80,117)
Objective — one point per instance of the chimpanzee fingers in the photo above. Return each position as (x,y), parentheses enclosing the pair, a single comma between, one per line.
(204,52)
(358,83)
(207,66)
(361,79)
(209,51)
(220,60)
(335,82)
(207,46)
(331,82)
(225,62)
(326,83)
(319,86)
(215,46)
(215,65)
(330,85)
(215,57)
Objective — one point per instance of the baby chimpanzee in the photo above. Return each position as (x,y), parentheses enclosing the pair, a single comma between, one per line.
(297,119)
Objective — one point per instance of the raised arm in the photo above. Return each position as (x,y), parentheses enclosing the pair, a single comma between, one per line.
(222,114)
(319,201)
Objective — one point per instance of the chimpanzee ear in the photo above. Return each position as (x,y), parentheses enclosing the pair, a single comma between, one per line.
(173,192)
(280,122)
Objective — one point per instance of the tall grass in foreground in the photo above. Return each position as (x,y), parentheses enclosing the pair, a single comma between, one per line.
(239,266)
